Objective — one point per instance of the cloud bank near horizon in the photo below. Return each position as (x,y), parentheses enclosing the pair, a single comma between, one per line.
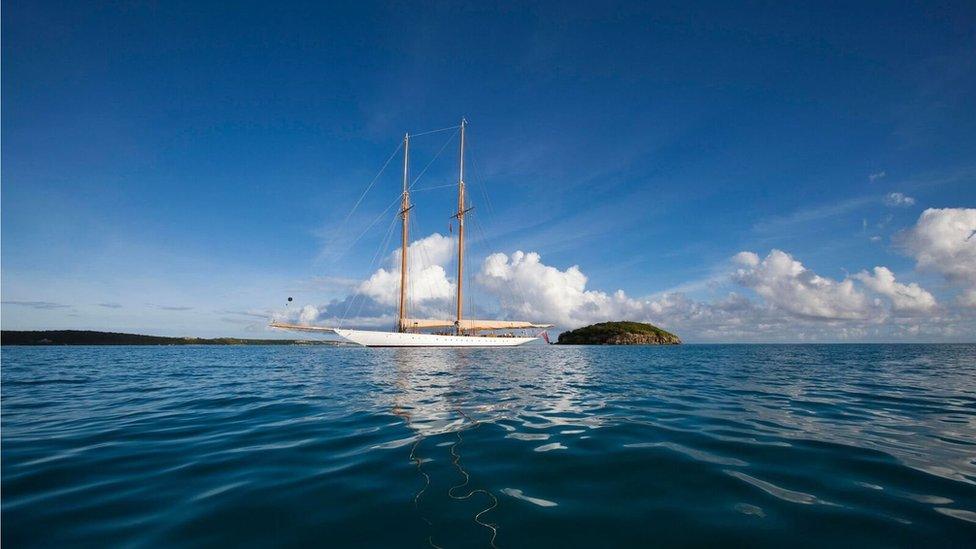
(766,298)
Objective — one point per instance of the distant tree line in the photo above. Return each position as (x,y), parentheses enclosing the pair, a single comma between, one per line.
(85,337)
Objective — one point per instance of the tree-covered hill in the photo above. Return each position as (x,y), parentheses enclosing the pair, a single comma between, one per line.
(619,333)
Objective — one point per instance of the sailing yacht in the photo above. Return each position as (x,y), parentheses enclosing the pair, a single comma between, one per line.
(409,332)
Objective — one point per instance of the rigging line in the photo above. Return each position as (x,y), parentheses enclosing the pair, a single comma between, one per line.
(452,265)
(373,182)
(375,263)
(425,254)
(413,220)
(370,226)
(425,257)
(412,300)
(408,299)
(472,294)
(513,290)
(381,250)
(362,298)
(435,131)
(471,248)
(491,215)
(444,146)
(432,188)
(368,187)
(476,172)
(411,279)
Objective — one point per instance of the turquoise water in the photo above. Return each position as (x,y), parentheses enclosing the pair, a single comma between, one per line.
(805,445)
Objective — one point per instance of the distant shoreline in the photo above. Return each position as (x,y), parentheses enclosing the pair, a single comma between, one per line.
(86,337)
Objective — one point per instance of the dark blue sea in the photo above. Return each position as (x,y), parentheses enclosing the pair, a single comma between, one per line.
(696,445)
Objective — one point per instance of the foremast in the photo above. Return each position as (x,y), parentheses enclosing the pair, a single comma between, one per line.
(460,249)
(404,215)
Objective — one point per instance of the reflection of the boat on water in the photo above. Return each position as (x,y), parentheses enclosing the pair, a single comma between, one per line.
(444,392)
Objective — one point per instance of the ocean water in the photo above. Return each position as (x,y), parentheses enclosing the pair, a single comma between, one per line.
(799,445)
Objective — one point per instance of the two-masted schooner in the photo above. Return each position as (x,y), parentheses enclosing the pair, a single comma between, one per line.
(409,332)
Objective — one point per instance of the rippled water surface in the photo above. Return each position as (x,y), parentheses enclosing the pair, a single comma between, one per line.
(535,446)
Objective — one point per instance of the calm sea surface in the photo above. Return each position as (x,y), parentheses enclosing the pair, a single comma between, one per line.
(805,445)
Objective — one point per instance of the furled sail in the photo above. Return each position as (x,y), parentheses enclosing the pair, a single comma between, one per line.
(471,324)
(301,328)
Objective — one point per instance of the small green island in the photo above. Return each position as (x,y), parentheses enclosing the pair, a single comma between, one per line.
(619,333)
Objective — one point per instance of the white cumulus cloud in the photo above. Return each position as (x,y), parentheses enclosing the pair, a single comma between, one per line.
(904,297)
(426,278)
(528,289)
(787,284)
(749,259)
(533,290)
(944,241)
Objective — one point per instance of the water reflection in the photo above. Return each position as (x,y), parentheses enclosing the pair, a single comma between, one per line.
(453,392)
(426,399)
(439,391)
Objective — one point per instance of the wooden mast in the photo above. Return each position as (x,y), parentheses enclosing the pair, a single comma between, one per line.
(460,217)
(404,213)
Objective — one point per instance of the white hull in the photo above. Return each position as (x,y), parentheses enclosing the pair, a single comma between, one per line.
(371,338)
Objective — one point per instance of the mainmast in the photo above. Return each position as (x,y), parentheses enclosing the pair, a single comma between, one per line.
(460,217)
(404,213)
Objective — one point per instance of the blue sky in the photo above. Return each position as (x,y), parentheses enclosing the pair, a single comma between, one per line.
(182,168)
